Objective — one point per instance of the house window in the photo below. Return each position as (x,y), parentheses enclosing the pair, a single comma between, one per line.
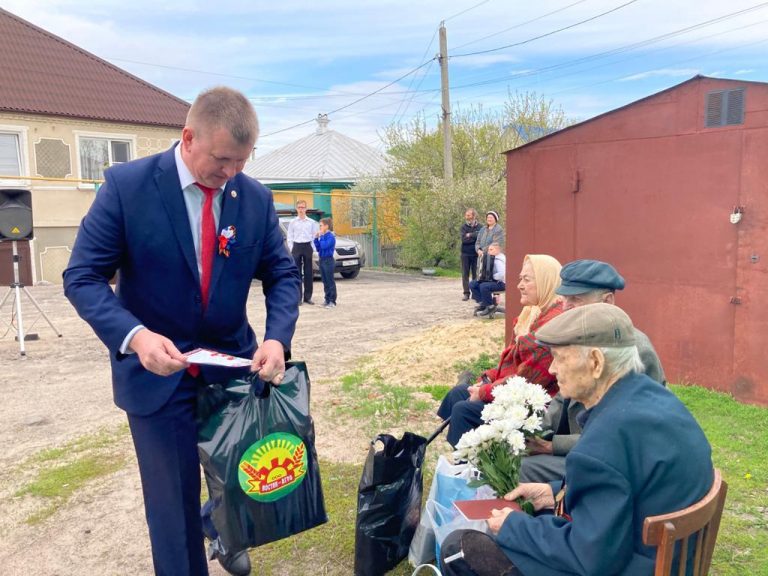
(724,108)
(98,154)
(10,154)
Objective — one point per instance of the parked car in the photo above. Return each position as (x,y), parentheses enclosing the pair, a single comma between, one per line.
(349,255)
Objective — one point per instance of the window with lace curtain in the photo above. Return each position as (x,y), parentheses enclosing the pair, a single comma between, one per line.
(98,154)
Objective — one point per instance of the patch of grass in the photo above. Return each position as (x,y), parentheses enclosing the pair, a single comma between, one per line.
(89,442)
(328,549)
(371,397)
(350,382)
(61,471)
(738,434)
(62,481)
(476,365)
(447,272)
(437,391)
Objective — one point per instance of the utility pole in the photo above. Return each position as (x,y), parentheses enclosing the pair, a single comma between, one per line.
(443,58)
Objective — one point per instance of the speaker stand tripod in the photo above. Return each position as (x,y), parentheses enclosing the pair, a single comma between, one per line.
(16,289)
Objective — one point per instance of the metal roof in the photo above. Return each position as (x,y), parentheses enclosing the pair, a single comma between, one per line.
(41,73)
(324,156)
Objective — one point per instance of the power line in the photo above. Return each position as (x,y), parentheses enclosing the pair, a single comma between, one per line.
(340,108)
(619,50)
(194,71)
(467,10)
(519,25)
(548,33)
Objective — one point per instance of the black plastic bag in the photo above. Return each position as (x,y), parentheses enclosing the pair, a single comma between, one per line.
(388,503)
(258,455)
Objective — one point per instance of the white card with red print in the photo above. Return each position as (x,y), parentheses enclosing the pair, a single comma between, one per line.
(213,358)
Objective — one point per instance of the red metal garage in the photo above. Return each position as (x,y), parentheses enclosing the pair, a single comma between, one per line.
(651,188)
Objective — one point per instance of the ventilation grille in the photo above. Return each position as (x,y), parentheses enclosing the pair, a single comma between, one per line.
(52,158)
(724,108)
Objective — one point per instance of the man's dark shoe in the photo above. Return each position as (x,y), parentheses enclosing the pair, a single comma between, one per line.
(309,302)
(235,563)
(478,308)
(466,297)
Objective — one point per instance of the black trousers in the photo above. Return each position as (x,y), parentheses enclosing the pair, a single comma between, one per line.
(481,556)
(468,267)
(302,255)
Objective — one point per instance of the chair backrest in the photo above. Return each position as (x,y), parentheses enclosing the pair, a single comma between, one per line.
(702,519)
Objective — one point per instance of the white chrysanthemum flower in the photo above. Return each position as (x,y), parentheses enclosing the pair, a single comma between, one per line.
(532,423)
(516,441)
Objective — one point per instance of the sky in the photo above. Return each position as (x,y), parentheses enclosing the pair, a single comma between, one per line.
(369,65)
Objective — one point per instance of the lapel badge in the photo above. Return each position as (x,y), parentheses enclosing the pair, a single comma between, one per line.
(233,193)
(227,239)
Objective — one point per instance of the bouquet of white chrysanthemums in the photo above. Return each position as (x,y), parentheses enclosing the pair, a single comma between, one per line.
(497,447)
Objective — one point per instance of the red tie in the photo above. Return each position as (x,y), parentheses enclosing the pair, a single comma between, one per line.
(207,241)
(207,250)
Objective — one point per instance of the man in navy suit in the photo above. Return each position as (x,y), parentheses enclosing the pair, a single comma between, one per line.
(186,233)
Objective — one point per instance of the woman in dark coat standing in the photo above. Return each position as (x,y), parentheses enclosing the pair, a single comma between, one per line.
(469,231)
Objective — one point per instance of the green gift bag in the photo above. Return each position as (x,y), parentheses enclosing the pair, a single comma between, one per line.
(257,448)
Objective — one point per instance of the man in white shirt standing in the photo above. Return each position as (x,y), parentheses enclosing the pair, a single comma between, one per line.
(301,232)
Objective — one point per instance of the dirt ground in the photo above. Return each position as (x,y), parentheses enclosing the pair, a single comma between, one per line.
(409,325)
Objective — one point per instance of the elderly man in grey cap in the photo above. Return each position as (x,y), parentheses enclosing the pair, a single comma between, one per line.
(641,454)
(582,282)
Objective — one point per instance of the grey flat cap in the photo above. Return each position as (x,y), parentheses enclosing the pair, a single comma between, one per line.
(600,325)
(581,276)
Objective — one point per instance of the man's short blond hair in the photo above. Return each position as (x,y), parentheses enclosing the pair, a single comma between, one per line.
(223,107)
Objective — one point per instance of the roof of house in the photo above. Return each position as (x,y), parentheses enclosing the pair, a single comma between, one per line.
(324,156)
(41,73)
(696,78)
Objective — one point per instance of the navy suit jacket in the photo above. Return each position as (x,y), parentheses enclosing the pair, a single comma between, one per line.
(138,227)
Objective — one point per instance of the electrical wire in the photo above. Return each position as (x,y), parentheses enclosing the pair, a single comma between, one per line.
(614,51)
(540,36)
(340,108)
(518,25)
(467,10)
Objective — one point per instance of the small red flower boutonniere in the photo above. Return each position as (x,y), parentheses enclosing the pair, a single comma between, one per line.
(226,239)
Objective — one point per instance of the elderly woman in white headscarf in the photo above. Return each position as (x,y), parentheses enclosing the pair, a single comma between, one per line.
(539,278)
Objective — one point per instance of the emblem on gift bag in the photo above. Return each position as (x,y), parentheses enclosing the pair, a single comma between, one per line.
(273,467)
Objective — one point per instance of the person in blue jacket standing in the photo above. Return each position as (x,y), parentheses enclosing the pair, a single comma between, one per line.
(325,244)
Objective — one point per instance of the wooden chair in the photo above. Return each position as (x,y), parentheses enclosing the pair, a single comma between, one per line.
(701,519)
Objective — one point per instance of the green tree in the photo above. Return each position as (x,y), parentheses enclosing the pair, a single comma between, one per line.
(433,210)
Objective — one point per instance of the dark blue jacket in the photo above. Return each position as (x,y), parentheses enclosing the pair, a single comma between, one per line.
(138,226)
(641,453)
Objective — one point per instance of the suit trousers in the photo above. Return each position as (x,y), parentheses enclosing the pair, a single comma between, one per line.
(463,412)
(302,255)
(468,268)
(166,448)
(482,292)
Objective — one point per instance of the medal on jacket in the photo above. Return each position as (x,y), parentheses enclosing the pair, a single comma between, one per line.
(227,239)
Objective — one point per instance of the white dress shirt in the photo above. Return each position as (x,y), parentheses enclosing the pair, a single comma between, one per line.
(301,230)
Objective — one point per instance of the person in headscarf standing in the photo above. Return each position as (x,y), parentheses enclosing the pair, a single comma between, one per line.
(469,231)
(539,278)
(489,234)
